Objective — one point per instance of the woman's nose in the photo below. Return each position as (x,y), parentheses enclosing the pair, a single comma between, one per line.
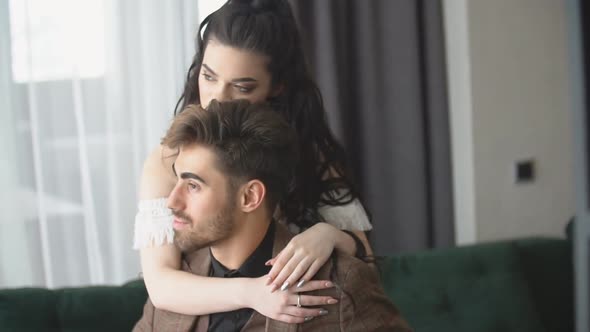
(222,93)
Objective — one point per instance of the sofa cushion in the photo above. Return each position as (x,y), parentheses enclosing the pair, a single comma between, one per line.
(474,288)
(106,308)
(28,309)
(547,266)
(521,285)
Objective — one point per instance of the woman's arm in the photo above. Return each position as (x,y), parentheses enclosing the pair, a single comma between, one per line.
(307,252)
(346,243)
(174,290)
(189,294)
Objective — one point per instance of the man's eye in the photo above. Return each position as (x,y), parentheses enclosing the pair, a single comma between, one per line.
(192,186)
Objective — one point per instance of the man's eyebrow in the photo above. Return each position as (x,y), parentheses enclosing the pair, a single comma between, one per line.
(237,80)
(188,175)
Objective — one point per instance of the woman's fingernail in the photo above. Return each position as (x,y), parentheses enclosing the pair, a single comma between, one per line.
(329,284)
(323,312)
(332,301)
(308,318)
(285,286)
(300,283)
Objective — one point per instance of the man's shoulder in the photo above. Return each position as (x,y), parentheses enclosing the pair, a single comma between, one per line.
(345,268)
(363,304)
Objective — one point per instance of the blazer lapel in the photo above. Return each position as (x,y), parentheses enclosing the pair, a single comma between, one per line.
(274,325)
(202,323)
(282,237)
(257,322)
(198,263)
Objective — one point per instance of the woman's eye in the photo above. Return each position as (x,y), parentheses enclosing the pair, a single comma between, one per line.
(244,89)
(207,77)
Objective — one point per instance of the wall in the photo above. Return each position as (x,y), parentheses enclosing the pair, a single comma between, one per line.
(509,101)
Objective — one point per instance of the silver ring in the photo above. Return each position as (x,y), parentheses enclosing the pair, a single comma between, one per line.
(298,300)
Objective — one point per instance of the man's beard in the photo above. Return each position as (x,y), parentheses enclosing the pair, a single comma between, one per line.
(205,233)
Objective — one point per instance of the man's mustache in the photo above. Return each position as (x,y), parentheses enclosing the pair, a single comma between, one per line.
(182,216)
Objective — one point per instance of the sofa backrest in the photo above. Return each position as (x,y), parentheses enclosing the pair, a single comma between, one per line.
(522,285)
(115,308)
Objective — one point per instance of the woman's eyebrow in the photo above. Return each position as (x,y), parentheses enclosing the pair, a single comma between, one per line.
(236,80)
(209,69)
(244,80)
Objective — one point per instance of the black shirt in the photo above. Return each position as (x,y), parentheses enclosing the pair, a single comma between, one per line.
(253,267)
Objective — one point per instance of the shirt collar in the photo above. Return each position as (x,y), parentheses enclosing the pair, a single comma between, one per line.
(254,266)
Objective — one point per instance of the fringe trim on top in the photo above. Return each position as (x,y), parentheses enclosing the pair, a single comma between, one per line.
(153,224)
(352,216)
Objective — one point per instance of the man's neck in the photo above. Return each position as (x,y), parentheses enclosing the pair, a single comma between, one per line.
(234,251)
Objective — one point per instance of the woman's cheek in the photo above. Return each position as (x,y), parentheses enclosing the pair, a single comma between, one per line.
(204,92)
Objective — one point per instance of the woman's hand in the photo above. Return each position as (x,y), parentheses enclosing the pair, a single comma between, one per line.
(302,258)
(282,306)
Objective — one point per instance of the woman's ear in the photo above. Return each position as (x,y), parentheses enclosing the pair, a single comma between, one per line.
(252,195)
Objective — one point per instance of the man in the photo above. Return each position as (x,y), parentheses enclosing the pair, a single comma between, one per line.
(235,162)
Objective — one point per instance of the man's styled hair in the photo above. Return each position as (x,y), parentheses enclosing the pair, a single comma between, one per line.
(250,141)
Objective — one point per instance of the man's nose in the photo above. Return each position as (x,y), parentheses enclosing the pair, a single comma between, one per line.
(175,201)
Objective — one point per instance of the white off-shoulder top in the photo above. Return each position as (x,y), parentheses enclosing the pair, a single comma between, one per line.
(153,221)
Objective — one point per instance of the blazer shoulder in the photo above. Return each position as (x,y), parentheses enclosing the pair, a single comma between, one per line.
(364,306)
(348,268)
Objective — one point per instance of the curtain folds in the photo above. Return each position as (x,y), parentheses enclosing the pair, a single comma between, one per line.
(76,141)
(381,68)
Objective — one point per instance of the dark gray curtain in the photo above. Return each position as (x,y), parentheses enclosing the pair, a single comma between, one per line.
(585,35)
(381,68)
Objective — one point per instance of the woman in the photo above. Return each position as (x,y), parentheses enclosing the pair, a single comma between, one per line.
(251,50)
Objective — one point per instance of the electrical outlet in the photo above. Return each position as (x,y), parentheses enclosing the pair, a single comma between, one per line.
(524,171)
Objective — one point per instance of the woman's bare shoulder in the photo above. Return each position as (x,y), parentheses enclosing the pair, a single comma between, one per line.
(157,177)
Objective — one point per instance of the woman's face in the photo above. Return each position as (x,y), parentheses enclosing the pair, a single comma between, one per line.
(230,73)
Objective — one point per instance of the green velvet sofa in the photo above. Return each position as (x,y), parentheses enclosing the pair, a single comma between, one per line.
(521,285)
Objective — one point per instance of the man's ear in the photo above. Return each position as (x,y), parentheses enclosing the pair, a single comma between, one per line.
(252,195)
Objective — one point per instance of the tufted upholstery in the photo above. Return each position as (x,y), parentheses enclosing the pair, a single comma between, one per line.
(72,309)
(522,285)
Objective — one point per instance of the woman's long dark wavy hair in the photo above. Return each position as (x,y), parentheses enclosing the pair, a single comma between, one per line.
(268,27)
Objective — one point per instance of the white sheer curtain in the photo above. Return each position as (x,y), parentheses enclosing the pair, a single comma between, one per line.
(87,88)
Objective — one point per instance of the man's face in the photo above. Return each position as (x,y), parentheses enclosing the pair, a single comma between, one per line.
(203,207)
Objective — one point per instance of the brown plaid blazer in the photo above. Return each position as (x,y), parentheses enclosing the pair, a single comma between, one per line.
(362,306)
